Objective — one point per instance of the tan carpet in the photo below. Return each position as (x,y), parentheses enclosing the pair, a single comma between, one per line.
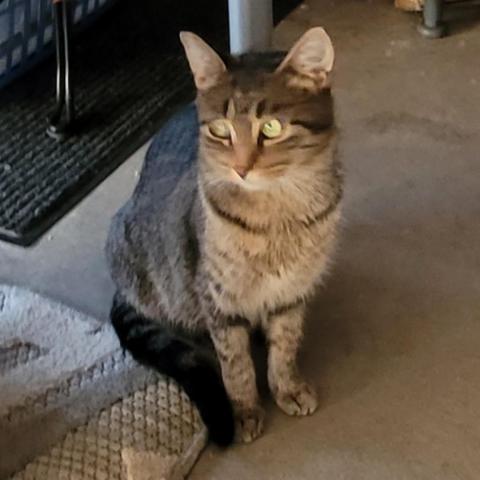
(394,345)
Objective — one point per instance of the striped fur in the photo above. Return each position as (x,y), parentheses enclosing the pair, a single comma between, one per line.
(215,254)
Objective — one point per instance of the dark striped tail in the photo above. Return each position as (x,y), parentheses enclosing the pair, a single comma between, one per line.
(156,346)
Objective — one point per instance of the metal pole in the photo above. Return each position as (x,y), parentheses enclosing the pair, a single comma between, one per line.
(432,26)
(63,116)
(251,25)
(69,105)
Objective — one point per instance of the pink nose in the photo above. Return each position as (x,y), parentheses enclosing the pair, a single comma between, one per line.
(242,171)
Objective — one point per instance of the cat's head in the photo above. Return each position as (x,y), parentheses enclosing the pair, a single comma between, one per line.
(260,124)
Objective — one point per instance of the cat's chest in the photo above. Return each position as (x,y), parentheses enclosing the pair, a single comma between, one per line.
(252,274)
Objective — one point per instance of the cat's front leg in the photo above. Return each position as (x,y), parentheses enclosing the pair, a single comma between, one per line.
(232,344)
(284,333)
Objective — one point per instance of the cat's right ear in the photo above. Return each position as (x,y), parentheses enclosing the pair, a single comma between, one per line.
(206,65)
(310,60)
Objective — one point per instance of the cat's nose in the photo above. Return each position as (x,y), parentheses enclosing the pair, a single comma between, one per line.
(241,171)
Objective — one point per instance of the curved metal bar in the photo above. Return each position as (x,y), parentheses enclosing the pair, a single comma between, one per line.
(61,121)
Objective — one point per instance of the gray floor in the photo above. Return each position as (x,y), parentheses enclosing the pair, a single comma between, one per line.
(68,264)
(394,343)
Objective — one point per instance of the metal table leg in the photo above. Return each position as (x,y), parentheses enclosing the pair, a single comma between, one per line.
(62,119)
(251,25)
(432,26)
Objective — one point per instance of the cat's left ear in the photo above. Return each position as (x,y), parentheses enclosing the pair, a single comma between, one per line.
(206,65)
(312,56)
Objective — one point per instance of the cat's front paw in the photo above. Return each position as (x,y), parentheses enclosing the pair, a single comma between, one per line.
(249,424)
(299,400)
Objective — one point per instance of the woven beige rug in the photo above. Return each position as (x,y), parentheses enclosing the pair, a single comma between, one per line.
(153,434)
(74,407)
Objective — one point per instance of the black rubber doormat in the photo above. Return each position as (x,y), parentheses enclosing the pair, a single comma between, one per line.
(130,75)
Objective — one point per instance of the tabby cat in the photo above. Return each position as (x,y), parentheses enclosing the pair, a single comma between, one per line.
(233,232)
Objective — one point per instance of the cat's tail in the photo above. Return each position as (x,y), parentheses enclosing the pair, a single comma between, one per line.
(156,346)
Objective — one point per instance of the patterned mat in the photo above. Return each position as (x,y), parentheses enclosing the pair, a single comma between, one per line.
(74,407)
(154,433)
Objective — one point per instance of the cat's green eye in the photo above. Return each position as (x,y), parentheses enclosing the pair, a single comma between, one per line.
(272,128)
(219,128)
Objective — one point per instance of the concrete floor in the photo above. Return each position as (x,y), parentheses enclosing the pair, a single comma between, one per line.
(67,264)
(395,334)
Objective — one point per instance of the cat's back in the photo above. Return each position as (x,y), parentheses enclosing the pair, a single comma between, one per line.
(144,230)
(172,152)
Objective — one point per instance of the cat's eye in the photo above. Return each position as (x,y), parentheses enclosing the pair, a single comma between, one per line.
(272,128)
(219,128)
